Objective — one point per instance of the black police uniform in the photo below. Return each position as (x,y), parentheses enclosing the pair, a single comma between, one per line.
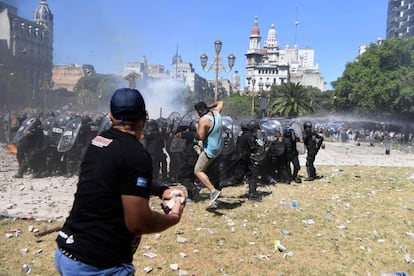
(30,152)
(243,165)
(154,143)
(292,157)
(188,159)
(313,142)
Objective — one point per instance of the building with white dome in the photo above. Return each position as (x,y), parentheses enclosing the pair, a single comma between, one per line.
(272,65)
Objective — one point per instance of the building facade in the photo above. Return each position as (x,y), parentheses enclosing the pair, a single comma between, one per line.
(182,72)
(66,76)
(272,65)
(26,46)
(400,19)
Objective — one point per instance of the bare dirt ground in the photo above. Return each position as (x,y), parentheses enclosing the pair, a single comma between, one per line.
(52,197)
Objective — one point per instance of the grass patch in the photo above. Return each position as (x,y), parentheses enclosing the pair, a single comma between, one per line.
(361,216)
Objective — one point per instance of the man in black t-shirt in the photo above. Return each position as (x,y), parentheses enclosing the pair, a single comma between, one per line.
(111,209)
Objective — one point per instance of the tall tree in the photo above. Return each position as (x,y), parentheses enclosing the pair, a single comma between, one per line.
(291,100)
(237,105)
(380,81)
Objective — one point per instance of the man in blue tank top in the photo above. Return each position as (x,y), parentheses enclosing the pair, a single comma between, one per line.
(208,130)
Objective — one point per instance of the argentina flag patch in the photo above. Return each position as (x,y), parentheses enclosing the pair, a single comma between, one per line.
(142,182)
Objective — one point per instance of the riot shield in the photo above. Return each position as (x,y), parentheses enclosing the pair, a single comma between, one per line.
(69,135)
(270,130)
(104,124)
(47,125)
(177,125)
(96,121)
(21,132)
(10,125)
(297,129)
(57,129)
(173,121)
(228,135)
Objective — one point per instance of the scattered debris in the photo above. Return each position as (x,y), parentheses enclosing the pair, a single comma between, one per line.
(174,266)
(279,246)
(261,257)
(181,240)
(27,269)
(150,255)
(46,232)
(148,269)
(308,221)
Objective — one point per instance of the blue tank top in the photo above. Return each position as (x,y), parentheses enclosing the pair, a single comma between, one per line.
(214,142)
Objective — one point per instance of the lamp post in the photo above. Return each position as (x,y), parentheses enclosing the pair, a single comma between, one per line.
(217,64)
(267,95)
(262,98)
(253,83)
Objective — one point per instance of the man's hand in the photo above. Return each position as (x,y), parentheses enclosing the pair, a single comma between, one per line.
(173,201)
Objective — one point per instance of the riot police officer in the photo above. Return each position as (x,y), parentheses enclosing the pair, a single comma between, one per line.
(154,143)
(313,142)
(188,158)
(30,151)
(291,154)
(243,165)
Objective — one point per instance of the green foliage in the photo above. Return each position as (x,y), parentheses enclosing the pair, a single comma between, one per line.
(380,82)
(292,100)
(236,105)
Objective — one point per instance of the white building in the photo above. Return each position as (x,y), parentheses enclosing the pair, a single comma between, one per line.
(272,65)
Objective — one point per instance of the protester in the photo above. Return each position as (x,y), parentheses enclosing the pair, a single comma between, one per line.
(208,130)
(313,142)
(111,209)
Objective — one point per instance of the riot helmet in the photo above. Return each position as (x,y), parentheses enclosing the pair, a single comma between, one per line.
(287,131)
(152,125)
(36,125)
(307,126)
(127,105)
(253,125)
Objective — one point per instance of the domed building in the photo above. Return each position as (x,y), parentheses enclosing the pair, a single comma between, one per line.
(272,65)
(26,46)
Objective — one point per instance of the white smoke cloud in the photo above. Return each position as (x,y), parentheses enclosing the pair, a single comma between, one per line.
(162,97)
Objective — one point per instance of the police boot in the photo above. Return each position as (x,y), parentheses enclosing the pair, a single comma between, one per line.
(310,177)
(22,169)
(69,169)
(253,194)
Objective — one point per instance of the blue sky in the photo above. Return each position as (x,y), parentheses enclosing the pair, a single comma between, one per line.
(109,34)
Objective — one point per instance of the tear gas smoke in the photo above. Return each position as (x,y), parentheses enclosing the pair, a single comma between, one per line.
(162,97)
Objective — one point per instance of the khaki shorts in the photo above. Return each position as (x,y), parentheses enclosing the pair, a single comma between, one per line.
(202,162)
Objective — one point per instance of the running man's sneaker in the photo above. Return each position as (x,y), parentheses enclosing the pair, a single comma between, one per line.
(213,197)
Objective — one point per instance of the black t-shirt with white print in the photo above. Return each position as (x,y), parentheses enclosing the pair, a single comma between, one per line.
(115,164)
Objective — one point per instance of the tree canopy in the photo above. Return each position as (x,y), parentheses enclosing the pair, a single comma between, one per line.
(380,81)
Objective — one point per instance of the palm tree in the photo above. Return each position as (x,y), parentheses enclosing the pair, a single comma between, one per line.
(291,100)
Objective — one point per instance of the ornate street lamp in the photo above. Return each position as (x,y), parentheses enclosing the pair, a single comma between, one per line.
(217,64)
(253,80)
